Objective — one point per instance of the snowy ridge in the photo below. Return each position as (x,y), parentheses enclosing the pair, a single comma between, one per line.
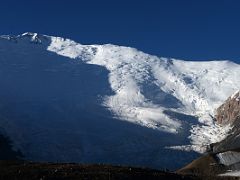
(174,97)
(199,87)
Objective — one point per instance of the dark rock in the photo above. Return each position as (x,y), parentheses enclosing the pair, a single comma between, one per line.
(229,110)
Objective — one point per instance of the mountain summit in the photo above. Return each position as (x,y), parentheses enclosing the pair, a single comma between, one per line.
(64,101)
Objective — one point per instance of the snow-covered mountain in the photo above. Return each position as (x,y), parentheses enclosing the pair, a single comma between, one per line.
(64,101)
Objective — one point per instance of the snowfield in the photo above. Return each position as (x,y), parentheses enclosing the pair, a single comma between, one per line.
(145,86)
(172,100)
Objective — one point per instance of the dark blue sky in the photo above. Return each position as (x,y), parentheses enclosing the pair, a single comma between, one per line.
(185,29)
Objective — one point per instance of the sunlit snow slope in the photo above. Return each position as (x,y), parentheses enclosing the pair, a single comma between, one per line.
(63,101)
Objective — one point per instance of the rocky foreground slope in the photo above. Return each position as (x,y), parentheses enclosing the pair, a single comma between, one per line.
(36,171)
(51,171)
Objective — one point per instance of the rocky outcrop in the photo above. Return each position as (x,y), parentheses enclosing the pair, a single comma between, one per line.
(229,113)
(229,110)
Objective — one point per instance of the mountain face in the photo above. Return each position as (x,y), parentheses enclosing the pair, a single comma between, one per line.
(62,101)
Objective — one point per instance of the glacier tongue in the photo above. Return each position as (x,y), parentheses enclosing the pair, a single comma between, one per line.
(75,85)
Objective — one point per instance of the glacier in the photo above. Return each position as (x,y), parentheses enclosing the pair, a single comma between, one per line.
(63,101)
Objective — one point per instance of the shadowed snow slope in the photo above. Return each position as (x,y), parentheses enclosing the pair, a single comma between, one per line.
(63,101)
